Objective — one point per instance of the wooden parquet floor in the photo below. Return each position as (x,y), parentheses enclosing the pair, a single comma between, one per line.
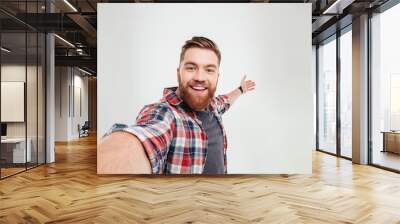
(70,191)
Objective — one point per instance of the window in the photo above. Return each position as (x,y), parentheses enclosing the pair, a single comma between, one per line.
(327,96)
(385,88)
(346,94)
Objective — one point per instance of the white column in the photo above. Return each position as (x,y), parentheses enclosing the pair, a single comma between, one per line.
(50,92)
(50,99)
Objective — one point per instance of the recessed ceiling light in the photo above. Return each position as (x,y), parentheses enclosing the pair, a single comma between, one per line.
(84,71)
(70,5)
(5,50)
(64,40)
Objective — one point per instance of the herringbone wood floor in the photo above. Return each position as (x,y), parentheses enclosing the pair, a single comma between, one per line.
(69,191)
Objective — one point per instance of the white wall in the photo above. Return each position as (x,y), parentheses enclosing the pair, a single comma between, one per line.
(61,103)
(80,83)
(12,73)
(68,81)
(269,130)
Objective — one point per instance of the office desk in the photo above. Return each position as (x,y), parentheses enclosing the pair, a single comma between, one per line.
(391,141)
(13,150)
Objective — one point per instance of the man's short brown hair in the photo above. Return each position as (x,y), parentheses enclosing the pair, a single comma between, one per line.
(203,43)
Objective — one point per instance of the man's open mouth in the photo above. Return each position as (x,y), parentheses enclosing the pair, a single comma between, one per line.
(198,88)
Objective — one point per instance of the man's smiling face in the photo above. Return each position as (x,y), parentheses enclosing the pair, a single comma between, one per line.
(198,77)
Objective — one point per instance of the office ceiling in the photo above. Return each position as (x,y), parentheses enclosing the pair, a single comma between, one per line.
(76,21)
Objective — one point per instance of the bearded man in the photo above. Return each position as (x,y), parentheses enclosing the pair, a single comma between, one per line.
(183,132)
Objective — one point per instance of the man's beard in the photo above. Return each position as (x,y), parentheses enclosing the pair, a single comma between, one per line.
(196,102)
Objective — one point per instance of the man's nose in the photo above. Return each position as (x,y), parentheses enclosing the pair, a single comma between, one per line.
(200,75)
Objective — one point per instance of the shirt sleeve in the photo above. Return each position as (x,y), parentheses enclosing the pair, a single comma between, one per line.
(154,128)
(222,104)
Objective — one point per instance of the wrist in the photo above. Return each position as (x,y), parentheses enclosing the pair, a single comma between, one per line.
(241,89)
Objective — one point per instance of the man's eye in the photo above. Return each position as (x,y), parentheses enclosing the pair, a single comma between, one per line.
(210,70)
(190,68)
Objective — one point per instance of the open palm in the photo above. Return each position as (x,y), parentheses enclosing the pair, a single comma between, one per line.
(247,85)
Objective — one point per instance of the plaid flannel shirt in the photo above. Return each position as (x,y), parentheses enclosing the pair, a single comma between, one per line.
(172,135)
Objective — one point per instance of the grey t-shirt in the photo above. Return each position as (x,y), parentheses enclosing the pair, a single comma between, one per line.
(215,149)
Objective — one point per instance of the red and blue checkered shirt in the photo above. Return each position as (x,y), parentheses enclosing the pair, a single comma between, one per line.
(172,135)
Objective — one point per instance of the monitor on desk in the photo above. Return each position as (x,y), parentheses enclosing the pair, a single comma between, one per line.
(3,130)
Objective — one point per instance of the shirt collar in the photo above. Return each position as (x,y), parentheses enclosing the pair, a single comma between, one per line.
(171,97)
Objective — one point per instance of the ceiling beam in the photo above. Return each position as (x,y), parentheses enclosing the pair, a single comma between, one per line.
(83,61)
(86,26)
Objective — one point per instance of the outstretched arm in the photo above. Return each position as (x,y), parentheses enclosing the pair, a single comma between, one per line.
(139,148)
(122,153)
(247,85)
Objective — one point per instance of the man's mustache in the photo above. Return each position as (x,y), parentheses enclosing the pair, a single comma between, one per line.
(198,83)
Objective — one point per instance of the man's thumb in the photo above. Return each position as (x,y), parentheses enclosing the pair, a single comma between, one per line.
(244,78)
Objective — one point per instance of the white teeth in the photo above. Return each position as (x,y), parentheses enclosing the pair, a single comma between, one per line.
(198,88)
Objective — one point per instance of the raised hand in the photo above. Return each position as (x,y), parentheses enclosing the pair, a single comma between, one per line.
(247,85)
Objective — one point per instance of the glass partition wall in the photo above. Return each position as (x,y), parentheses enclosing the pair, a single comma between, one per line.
(22,88)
